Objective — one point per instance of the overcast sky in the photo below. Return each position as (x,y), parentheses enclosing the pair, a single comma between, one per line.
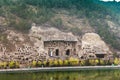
(110,0)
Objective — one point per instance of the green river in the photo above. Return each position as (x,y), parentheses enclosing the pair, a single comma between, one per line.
(80,75)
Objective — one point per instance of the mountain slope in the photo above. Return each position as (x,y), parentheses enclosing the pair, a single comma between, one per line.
(77,16)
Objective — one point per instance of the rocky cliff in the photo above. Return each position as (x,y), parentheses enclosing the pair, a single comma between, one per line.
(95,26)
(25,48)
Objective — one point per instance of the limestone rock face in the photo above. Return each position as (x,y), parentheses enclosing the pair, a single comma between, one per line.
(27,47)
(51,34)
(93,44)
(94,39)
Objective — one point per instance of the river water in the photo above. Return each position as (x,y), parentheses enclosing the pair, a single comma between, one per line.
(80,75)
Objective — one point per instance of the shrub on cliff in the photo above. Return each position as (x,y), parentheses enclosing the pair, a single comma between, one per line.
(82,62)
(92,62)
(50,62)
(44,63)
(96,62)
(101,62)
(5,65)
(60,62)
(65,62)
(55,63)
(73,61)
(116,61)
(39,63)
(13,64)
(1,65)
(34,64)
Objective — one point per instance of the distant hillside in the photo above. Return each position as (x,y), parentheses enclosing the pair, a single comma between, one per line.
(20,14)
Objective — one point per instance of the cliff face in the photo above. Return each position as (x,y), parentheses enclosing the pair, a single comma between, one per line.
(27,47)
(93,45)
(95,26)
(67,15)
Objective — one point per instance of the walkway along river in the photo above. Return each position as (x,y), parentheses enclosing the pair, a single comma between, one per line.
(49,69)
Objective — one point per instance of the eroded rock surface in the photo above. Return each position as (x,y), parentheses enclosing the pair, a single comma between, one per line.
(28,47)
(94,45)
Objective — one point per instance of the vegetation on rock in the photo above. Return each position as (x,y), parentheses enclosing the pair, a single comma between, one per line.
(59,63)
(20,14)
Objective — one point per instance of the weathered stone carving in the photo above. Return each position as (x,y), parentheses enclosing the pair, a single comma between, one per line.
(44,43)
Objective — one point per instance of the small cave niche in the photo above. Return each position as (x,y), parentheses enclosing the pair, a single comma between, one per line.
(100,55)
(68,52)
(57,52)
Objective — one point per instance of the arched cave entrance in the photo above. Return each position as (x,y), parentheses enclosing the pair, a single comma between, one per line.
(50,52)
(68,52)
(57,52)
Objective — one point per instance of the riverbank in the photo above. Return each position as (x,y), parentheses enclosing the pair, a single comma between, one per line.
(50,69)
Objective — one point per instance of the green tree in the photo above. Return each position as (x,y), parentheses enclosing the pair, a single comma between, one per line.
(65,62)
(73,61)
(34,63)
(116,61)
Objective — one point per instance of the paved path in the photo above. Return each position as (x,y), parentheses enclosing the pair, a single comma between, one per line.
(48,69)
